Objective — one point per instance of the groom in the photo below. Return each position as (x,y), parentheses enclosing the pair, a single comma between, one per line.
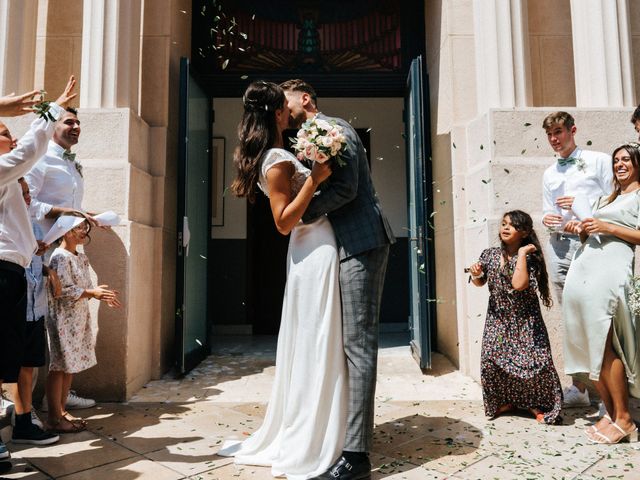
(364,235)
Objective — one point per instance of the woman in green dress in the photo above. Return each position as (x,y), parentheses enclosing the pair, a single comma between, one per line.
(601,334)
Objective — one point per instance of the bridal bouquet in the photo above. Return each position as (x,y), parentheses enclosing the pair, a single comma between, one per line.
(319,140)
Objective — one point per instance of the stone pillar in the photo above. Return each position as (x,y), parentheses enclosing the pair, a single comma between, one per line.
(502,54)
(18,21)
(602,53)
(110,54)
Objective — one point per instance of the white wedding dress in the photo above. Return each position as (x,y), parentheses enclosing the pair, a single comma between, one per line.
(304,426)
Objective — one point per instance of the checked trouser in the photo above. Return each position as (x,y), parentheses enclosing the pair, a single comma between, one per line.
(361,282)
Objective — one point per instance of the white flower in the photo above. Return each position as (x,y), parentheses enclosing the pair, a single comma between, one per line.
(325,141)
(323,124)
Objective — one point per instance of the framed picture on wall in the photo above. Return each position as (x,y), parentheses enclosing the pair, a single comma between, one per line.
(217,182)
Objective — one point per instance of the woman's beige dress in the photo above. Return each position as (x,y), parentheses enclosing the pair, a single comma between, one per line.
(595,297)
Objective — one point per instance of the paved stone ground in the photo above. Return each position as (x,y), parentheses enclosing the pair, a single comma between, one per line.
(428,426)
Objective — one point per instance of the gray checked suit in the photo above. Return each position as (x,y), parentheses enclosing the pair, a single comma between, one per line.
(363,233)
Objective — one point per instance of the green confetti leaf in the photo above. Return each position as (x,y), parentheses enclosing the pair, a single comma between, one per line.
(589,142)
(527,124)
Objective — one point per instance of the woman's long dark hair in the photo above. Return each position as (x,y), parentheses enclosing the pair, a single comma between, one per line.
(522,222)
(634,152)
(257,133)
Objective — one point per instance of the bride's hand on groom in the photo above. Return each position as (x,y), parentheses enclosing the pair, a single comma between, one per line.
(320,172)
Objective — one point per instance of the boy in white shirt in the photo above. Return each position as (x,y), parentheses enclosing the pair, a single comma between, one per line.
(576,172)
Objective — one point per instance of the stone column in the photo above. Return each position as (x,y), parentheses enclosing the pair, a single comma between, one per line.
(502,54)
(110,54)
(602,53)
(18,21)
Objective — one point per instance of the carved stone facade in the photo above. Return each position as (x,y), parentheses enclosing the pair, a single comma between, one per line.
(496,67)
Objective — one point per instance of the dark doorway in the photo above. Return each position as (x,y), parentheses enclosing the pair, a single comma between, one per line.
(266,261)
(348,50)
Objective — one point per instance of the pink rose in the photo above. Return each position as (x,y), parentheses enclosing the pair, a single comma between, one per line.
(321,157)
(310,151)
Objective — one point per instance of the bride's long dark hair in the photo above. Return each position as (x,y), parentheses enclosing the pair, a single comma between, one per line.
(257,133)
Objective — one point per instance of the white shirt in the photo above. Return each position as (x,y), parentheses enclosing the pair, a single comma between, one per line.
(17,243)
(591,176)
(54,182)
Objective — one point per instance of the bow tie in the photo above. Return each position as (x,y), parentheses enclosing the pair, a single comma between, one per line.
(67,155)
(566,161)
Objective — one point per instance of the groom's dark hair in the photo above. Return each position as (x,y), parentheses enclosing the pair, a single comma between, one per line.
(297,85)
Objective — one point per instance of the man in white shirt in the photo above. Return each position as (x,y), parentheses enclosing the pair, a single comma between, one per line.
(576,172)
(17,242)
(55,182)
(56,186)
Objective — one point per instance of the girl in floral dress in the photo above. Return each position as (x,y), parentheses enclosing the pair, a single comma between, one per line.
(517,369)
(71,331)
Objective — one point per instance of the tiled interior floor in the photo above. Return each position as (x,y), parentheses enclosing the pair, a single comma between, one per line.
(428,426)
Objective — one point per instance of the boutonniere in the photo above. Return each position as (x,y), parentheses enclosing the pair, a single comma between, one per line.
(581,165)
(71,157)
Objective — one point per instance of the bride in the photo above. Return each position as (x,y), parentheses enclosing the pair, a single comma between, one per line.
(304,426)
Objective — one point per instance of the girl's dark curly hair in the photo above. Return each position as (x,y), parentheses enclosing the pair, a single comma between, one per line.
(522,222)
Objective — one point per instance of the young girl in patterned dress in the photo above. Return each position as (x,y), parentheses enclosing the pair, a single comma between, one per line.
(517,369)
(71,331)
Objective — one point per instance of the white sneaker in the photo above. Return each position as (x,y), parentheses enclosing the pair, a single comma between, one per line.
(602,410)
(34,417)
(575,398)
(4,406)
(74,402)
(4,453)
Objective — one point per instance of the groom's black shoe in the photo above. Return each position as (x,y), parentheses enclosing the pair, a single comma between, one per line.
(344,469)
